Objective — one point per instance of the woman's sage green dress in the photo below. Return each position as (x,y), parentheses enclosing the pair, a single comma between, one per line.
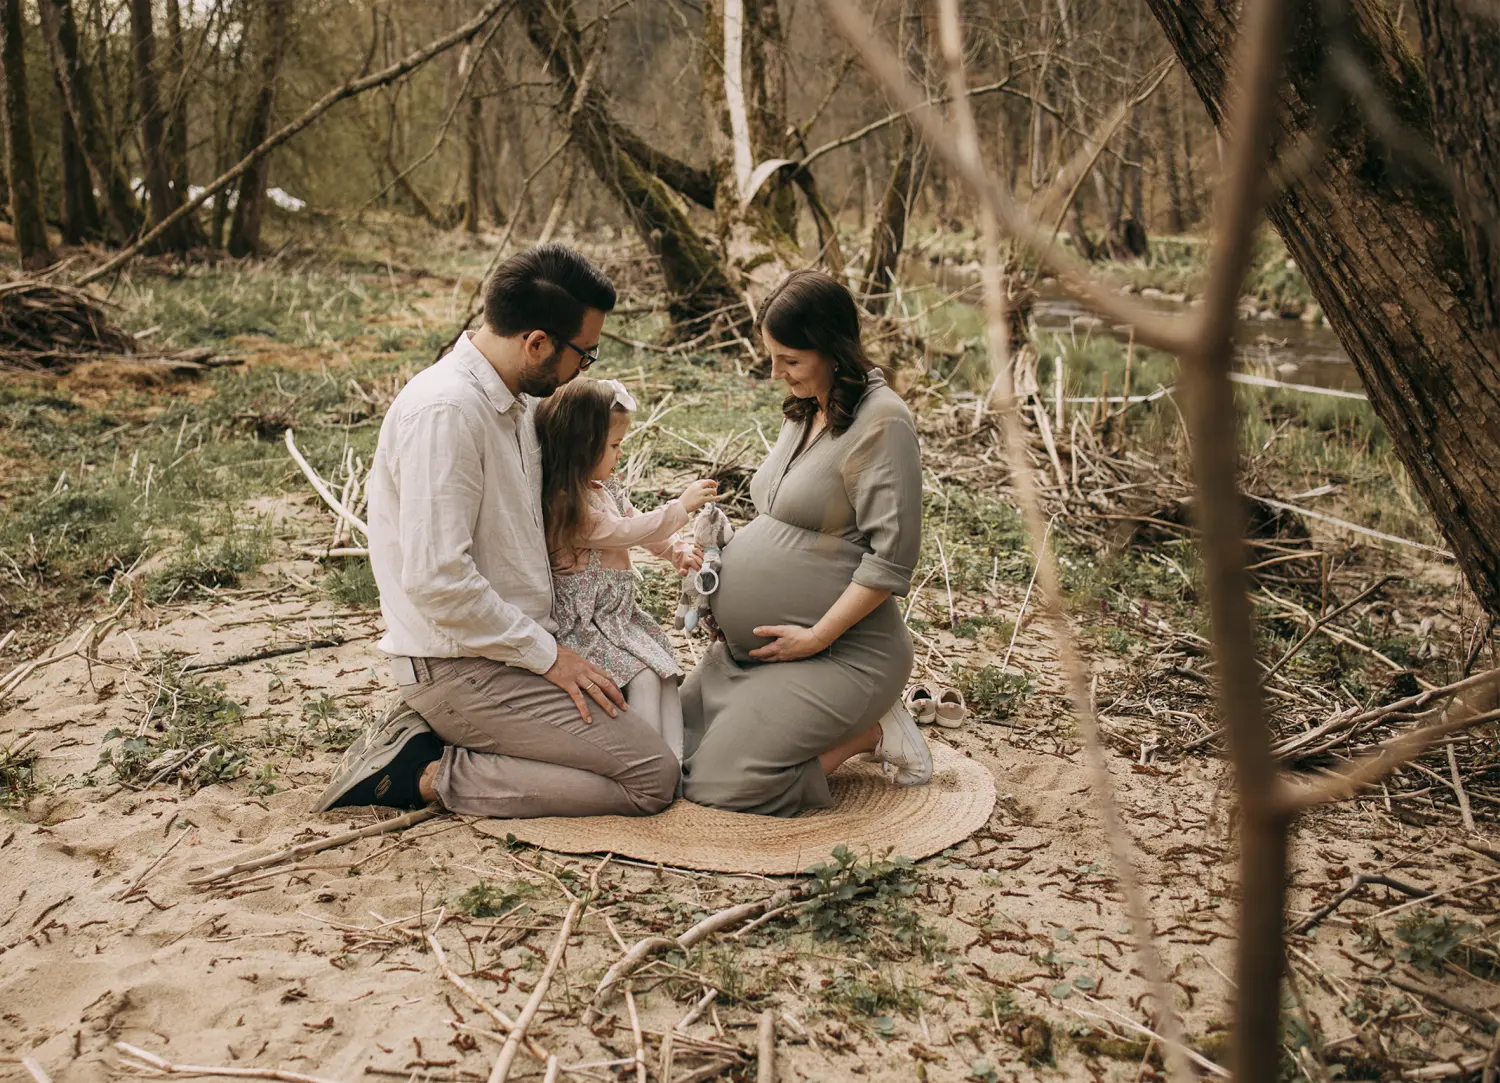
(846,508)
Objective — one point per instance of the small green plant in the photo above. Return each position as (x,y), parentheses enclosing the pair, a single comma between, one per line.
(188,735)
(1427,939)
(18,783)
(485,900)
(329,726)
(991,692)
(867,901)
(352,583)
(873,994)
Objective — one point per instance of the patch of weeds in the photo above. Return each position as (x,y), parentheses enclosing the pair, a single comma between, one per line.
(871,994)
(1093,1042)
(328,725)
(392,339)
(265,780)
(1428,939)
(485,900)
(185,737)
(656,591)
(1030,1034)
(203,564)
(868,901)
(991,693)
(971,627)
(18,782)
(352,583)
(1115,640)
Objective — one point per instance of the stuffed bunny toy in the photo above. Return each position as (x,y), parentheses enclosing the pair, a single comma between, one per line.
(712,530)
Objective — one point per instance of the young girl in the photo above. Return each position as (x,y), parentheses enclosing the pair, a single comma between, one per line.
(591,528)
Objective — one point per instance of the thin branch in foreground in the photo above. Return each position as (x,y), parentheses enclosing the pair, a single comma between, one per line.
(1051,601)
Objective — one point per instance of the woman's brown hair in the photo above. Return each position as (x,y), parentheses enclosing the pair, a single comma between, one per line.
(810,310)
(573,426)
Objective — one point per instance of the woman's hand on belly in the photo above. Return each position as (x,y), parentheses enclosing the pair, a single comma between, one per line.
(789,643)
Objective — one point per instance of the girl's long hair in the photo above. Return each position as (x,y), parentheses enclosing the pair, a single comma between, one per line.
(810,310)
(573,426)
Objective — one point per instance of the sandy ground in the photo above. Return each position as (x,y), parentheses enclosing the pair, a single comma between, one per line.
(321,968)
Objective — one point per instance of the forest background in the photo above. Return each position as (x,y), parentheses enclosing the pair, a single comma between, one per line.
(238,227)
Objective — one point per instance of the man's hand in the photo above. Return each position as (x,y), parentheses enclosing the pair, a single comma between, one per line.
(789,643)
(578,677)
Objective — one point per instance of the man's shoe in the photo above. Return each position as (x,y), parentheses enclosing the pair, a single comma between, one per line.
(385,763)
(903,747)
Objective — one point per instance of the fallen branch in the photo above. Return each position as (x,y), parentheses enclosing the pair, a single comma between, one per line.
(503,1062)
(270,652)
(323,490)
(1315,919)
(765,1048)
(294,853)
(150,1061)
(506,1023)
(655,945)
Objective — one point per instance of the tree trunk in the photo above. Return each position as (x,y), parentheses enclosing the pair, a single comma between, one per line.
(164,199)
(176,105)
(694,276)
(889,235)
(80,211)
(244,230)
(473,144)
(1168,157)
(20,154)
(1405,273)
(766,88)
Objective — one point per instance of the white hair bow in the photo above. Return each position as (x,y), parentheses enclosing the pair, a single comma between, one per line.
(623,398)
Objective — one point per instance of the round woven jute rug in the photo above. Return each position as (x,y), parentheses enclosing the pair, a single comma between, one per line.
(868,814)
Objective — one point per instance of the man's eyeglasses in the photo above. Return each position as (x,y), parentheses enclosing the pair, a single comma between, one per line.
(585,357)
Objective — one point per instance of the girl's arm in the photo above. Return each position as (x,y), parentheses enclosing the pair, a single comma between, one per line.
(652,529)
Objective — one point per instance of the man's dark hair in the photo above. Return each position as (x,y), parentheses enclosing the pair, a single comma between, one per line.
(546,288)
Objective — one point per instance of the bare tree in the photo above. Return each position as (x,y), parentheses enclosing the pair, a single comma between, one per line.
(75,83)
(164,197)
(637,174)
(889,233)
(1392,211)
(244,230)
(20,153)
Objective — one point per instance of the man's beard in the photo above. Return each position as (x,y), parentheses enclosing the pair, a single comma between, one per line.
(542,380)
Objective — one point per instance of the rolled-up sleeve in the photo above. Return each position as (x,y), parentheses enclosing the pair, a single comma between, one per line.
(883,477)
(441,482)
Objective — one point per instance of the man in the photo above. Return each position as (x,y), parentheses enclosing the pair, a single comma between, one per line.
(496,718)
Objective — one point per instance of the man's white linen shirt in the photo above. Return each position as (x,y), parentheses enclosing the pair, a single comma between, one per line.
(455,501)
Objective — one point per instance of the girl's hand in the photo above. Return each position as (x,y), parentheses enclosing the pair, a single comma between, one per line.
(687,559)
(699,493)
(789,643)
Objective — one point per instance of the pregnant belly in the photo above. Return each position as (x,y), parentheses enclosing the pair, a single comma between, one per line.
(778,574)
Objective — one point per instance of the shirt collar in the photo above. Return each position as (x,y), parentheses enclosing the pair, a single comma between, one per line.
(478,366)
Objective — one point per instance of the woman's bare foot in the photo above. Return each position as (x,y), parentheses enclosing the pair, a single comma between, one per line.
(864,742)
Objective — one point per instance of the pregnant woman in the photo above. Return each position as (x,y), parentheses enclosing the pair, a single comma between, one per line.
(814,653)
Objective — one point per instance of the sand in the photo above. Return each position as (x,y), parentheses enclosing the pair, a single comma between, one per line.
(322,968)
